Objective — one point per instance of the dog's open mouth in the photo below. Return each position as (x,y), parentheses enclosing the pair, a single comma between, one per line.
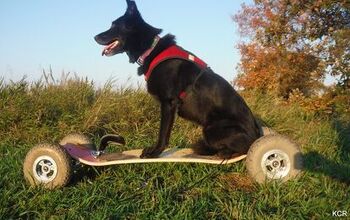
(110,48)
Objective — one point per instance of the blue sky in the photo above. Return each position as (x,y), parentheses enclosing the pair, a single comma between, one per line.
(38,34)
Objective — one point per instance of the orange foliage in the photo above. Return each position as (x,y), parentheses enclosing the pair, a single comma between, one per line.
(293,45)
(321,105)
(275,69)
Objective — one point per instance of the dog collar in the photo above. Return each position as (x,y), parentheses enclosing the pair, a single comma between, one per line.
(142,58)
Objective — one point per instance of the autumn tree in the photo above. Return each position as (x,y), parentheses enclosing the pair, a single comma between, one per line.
(292,44)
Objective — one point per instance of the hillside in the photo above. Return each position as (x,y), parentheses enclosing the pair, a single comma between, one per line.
(38,112)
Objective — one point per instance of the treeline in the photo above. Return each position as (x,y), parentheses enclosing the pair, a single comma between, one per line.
(288,48)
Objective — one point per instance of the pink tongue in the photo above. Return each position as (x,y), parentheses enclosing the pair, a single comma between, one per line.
(108,48)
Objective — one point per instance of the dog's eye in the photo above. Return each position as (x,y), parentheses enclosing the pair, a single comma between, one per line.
(128,27)
(115,28)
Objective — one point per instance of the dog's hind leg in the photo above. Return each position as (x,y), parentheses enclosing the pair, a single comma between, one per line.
(201,147)
(227,138)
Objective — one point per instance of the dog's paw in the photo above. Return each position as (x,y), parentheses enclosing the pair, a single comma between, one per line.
(151,152)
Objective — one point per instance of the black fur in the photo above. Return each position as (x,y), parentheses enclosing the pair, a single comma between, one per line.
(229,126)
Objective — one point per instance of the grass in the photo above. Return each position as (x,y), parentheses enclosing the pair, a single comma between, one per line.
(38,112)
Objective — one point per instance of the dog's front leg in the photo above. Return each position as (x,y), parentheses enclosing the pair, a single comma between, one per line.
(168,111)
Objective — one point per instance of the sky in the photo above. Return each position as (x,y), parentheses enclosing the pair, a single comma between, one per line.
(39,35)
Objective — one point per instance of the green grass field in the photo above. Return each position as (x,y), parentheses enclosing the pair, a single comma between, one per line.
(46,112)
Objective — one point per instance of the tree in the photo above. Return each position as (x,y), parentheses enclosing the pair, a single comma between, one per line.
(277,69)
(290,44)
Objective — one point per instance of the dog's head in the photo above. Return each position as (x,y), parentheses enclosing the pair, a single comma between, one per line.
(129,33)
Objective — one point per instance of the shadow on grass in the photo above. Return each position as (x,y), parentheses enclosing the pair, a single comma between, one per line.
(343,129)
(315,162)
(85,173)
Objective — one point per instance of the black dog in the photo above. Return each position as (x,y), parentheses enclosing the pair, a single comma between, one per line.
(182,83)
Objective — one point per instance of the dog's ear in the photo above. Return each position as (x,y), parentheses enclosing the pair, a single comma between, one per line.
(129,2)
(132,8)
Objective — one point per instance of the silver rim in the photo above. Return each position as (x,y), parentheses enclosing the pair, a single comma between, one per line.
(275,164)
(45,169)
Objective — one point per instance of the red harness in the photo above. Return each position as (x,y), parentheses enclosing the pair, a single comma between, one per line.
(174,52)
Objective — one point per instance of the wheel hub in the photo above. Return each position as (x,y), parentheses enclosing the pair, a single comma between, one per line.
(275,164)
(45,169)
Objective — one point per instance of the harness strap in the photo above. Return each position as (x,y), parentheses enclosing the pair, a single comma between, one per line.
(183,94)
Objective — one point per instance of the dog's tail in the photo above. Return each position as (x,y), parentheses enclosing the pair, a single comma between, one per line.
(110,138)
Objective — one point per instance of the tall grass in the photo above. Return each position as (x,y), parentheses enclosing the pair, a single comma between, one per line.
(47,110)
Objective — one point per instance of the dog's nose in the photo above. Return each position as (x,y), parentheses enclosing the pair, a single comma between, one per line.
(96,38)
(100,40)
